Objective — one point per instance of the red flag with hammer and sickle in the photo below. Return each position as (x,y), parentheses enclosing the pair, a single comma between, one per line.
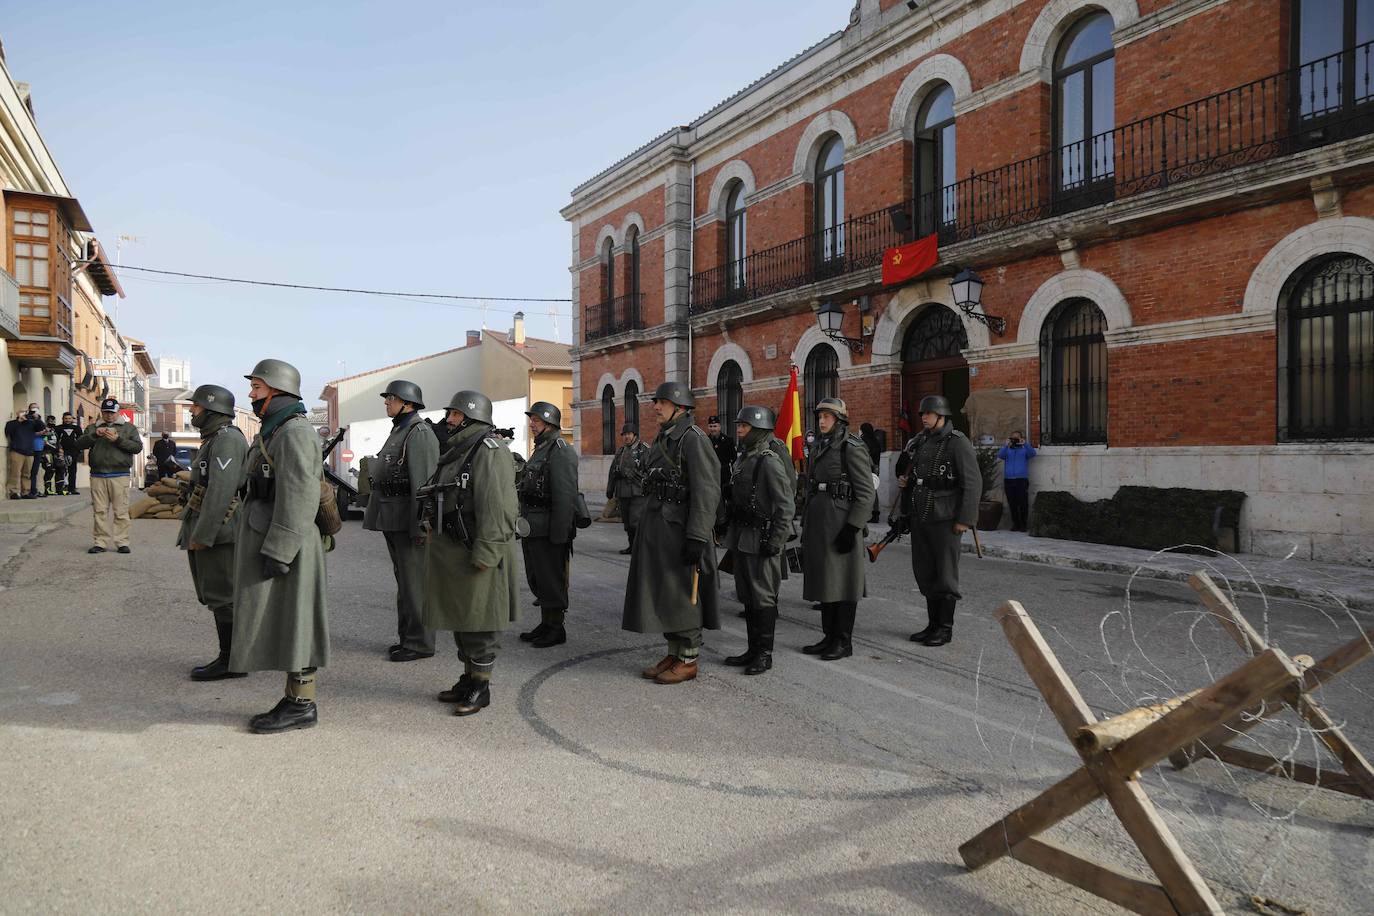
(909,261)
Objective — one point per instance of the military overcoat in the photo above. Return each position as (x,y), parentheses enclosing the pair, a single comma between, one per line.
(458,595)
(548,488)
(658,593)
(626,482)
(838,462)
(763,504)
(282,623)
(405,461)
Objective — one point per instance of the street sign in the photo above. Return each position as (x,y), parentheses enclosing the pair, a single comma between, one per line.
(346,455)
(107,368)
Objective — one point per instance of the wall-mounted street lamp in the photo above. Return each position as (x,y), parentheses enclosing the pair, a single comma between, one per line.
(967,289)
(831,319)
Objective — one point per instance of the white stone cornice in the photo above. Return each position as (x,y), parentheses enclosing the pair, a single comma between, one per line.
(735,170)
(1073,284)
(815,338)
(1163,18)
(993,92)
(1057,17)
(833,121)
(938,68)
(1001,352)
(1190,329)
(730,351)
(1339,235)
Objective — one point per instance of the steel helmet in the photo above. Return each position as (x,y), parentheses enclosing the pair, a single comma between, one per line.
(835,406)
(546,412)
(629,428)
(472,404)
(278,374)
(934,403)
(406,391)
(757,417)
(675,393)
(214,397)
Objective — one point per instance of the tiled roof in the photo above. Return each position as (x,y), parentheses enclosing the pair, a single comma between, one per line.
(542,354)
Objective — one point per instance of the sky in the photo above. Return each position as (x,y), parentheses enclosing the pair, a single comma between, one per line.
(410,146)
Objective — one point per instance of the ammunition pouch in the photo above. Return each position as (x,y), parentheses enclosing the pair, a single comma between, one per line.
(750,517)
(839,490)
(666,487)
(261,488)
(393,485)
(195,498)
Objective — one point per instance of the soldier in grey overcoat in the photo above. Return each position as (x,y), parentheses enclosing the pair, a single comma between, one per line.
(839,502)
(406,460)
(548,502)
(625,482)
(940,488)
(762,504)
(672,587)
(471,583)
(208,526)
(281,618)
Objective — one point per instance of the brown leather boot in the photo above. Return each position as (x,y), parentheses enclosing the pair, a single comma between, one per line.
(678,672)
(658,668)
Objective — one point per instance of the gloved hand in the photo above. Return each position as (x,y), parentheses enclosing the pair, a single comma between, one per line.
(722,528)
(844,541)
(271,568)
(768,550)
(692,551)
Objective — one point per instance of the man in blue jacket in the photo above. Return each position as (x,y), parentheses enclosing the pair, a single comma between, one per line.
(1016,456)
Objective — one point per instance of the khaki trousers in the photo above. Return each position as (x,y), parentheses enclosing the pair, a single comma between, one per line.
(20,468)
(111,494)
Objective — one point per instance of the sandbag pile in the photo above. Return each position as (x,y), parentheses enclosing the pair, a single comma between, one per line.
(161,499)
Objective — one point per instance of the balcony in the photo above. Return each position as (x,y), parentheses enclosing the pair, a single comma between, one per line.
(614,317)
(1320,103)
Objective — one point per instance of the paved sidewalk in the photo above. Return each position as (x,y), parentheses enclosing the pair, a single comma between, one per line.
(22,520)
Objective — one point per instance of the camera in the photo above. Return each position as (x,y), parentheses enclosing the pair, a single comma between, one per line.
(507,433)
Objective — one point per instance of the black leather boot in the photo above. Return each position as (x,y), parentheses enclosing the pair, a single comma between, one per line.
(933,606)
(764,622)
(286,715)
(629,548)
(747,656)
(553,635)
(828,626)
(532,635)
(457,691)
(843,645)
(475,698)
(944,633)
(218,669)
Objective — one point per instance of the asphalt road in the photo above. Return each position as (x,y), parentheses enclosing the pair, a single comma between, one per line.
(818,787)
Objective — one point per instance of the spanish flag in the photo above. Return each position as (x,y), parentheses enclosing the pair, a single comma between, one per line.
(909,261)
(789,428)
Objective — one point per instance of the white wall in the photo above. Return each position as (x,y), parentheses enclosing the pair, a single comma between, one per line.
(366,437)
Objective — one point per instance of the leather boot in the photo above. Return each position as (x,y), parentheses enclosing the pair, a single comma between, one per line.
(942,634)
(286,715)
(629,548)
(828,627)
(842,647)
(933,606)
(218,669)
(532,635)
(475,697)
(662,665)
(747,656)
(554,635)
(764,622)
(678,672)
(457,691)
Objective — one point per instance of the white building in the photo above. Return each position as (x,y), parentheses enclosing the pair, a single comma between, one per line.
(173,372)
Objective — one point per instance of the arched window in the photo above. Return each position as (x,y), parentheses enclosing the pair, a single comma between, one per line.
(632,403)
(736,232)
(729,395)
(934,166)
(607,271)
(1326,351)
(608,420)
(1329,38)
(830,201)
(632,245)
(937,333)
(1073,374)
(1085,109)
(821,380)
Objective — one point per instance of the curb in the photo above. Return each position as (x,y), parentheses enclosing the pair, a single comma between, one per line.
(41,514)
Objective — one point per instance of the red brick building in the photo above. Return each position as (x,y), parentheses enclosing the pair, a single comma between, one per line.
(1169,205)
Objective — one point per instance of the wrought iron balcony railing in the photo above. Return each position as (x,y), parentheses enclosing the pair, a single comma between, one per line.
(1318,103)
(613,317)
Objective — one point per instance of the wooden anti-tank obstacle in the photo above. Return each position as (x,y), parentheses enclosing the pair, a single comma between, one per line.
(1114,751)
(1357,777)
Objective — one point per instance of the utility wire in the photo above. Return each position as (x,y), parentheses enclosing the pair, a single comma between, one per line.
(337,289)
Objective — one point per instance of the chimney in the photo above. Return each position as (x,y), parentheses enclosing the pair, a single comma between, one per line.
(474,338)
(517,331)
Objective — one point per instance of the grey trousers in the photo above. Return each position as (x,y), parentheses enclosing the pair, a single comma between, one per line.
(212,573)
(477,650)
(408,565)
(935,559)
(685,644)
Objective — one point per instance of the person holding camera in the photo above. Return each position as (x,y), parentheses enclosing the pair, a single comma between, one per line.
(20,433)
(1016,456)
(112,444)
(407,459)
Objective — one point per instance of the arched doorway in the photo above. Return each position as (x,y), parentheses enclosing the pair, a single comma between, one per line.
(933,364)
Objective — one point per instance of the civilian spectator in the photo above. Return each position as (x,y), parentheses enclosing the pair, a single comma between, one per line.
(112,444)
(1016,456)
(67,434)
(164,455)
(39,461)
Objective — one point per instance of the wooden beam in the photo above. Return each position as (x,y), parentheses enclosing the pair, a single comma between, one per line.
(1120,888)
(1343,659)
(1044,669)
(1063,799)
(1334,780)
(1246,636)
(1108,733)
(1330,734)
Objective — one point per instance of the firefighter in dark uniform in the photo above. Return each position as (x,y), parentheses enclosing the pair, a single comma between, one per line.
(839,501)
(762,504)
(941,486)
(626,481)
(405,462)
(208,526)
(672,587)
(548,502)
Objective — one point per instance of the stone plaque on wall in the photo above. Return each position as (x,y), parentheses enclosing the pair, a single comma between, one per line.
(996,413)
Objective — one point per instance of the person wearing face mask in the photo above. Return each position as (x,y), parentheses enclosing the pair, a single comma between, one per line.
(67,434)
(112,444)
(281,614)
(672,587)
(839,502)
(761,508)
(208,529)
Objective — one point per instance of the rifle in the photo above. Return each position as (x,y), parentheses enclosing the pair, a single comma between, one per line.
(899,527)
(334,441)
